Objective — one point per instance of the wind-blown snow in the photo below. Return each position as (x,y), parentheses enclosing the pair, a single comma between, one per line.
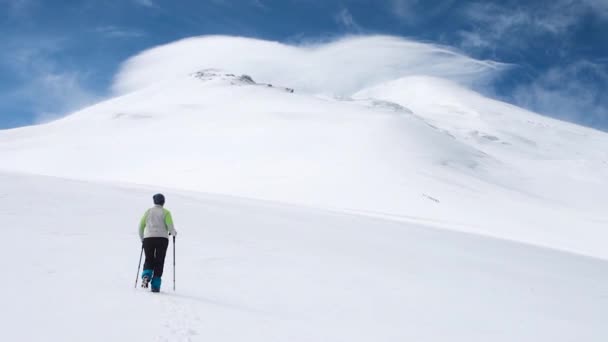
(339,67)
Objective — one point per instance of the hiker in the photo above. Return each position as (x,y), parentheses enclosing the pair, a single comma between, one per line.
(154,229)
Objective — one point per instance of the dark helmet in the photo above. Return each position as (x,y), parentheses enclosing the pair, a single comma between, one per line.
(159,199)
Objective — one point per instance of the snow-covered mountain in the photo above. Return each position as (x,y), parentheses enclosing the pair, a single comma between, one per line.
(418,148)
(345,189)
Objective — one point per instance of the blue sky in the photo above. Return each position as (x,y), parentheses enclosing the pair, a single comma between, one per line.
(59,56)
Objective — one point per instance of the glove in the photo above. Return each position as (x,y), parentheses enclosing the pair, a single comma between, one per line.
(174,232)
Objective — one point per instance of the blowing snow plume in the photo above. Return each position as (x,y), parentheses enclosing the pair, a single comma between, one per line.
(340,67)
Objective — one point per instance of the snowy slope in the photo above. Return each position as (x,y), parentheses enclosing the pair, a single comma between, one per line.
(258,271)
(219,133)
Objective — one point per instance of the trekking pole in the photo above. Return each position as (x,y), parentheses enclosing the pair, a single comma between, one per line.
(139,265)
(173,263)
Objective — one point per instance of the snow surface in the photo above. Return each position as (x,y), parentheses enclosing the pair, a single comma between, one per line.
(458,161)
(407,208)
(259,271)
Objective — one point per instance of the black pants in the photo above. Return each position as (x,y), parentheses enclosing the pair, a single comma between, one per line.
(156,249)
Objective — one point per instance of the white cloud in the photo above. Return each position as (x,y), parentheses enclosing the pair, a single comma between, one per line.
(63,92)
(52,90)
(52,94)
(346,19)
(340,67)
(118,32)
(573,92)
(501,25)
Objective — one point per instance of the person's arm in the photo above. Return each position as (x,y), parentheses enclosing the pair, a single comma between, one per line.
(142,225)
(169,223)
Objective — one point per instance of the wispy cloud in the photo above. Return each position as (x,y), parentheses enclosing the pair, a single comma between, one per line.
(48,88)
(62,92)
(119,32)
(575,92)
(496,24)
(413,12)
(571,90)
(259,4)
(146,3)
(599,6)
(346,20)
(404,9)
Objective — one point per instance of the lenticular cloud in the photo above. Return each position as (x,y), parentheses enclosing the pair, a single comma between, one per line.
(340,67)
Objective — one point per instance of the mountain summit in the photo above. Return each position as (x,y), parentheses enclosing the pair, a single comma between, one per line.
(217,75)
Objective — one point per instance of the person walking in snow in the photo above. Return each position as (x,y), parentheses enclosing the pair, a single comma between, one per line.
(154,229)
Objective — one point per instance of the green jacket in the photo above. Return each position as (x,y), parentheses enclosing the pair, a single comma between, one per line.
(156,222)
